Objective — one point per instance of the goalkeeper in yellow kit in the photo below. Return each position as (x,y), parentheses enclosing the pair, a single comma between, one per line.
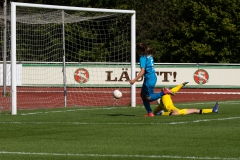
(167,108)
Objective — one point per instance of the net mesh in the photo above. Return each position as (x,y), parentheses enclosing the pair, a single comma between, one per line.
(95,47)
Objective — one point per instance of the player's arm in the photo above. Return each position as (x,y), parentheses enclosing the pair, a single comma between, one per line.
(138,76)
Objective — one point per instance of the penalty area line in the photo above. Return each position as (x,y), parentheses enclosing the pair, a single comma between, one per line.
(205,120)
(115,155)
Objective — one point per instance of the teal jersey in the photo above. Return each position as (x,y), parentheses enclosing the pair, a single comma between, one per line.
(147,63)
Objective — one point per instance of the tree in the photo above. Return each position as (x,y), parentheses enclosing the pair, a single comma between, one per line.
(154,22)
(206,31)
(195,31)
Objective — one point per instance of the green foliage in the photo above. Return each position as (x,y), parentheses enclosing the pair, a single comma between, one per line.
(30,43)
(203,31)
(190,30)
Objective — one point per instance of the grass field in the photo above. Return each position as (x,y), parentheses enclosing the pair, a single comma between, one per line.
(121,133)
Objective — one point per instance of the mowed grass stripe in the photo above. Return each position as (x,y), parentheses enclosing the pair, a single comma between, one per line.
(180,105)
(119,133)
(117,155)
(87,123)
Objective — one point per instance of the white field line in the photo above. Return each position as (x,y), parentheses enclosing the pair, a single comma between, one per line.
(70,110)
(97,123)
(116,155)
(205,120)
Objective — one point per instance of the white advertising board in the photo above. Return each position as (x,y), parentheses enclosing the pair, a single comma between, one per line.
(77,75)
(223,77)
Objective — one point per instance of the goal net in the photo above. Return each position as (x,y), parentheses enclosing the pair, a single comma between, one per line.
(70,56)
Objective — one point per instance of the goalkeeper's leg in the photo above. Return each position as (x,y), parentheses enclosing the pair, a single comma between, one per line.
(178,87)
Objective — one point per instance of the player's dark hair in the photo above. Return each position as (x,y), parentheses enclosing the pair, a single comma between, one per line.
(142,48)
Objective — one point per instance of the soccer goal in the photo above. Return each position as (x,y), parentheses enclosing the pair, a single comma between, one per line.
(71,56)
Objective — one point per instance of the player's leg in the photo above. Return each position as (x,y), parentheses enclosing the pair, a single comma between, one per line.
(159,107)
(149,90)
(166,107)
(199,111)
(172,91)
(146,104)
(176,112)
(184,112)
(178,87)
(212,110)
(215,108)
(192,111)
(149,86)
(166,91)
(168,102)
(156,96)
(162,113)
(148,108)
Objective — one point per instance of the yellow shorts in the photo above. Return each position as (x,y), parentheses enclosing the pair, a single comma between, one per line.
(167,105)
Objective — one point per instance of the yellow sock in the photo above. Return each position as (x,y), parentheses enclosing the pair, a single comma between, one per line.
(176,89)
(204,111)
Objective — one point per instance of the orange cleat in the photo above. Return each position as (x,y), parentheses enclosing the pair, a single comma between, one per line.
(149,115)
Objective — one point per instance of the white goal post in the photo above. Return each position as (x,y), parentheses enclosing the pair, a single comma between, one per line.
(14,45)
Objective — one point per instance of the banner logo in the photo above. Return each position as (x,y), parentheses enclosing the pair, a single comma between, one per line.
(201,76)
(81,75)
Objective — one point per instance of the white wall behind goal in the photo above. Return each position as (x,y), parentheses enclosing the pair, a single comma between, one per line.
(8,74)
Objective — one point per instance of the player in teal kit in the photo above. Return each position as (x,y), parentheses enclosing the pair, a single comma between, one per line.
(150,78)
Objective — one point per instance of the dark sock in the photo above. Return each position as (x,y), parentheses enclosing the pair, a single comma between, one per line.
(147,106)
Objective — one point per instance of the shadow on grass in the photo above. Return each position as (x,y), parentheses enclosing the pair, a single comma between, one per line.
(128,115)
